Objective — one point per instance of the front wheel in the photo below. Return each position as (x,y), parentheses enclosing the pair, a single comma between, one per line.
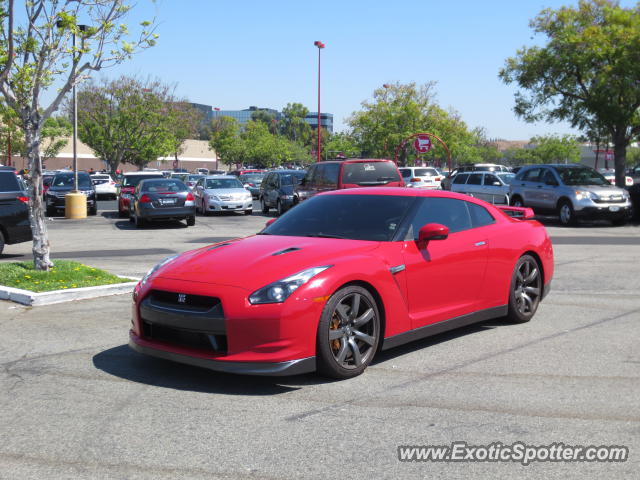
(265,208)
(348,333)
(248,212)
(566,213)
(279,208)
(525,291)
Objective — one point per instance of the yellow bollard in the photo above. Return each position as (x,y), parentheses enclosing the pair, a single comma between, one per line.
(75,205)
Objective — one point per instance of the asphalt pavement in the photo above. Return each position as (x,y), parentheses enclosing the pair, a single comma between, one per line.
(77,403)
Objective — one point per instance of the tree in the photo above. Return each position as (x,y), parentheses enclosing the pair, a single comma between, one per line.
(225,140)
(555,149)
(588,69)
(131,121)
(55,133)
(341,143)
(293,124)
(36,52)
(266,117)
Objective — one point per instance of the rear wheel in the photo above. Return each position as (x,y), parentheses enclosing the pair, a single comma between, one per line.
(517,202)
(348,333)
(526,290)
(139,222)
(566,213)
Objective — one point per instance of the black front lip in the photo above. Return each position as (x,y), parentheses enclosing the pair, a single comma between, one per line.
(279,369)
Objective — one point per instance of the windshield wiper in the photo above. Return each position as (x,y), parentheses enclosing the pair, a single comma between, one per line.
(323,235)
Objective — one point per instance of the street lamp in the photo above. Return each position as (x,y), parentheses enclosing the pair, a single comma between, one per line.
(81,28)
(320,46)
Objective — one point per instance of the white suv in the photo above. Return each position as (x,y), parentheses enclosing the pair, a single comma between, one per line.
(421,177)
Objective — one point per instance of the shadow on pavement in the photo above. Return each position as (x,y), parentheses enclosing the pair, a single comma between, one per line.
(168,225)
(124,363)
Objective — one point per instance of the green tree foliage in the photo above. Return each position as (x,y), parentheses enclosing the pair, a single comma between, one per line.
(293,124)
(225,140)
(55,134)
(266,117)
(341,143)
(130,121)
(555,149)
(37,54)
(587,70)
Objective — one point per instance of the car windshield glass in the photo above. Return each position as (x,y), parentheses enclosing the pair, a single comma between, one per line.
(373,173)
(253,178)
(581,176)
(170,185)
(356,217)
(223,183)
(425,172)
(67,180)
(134,180)
(506,177)
(287,179)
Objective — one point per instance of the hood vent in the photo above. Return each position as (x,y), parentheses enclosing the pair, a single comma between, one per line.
(286,250)
(218,246)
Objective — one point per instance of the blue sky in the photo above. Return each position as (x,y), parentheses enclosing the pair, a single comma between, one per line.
(233,54)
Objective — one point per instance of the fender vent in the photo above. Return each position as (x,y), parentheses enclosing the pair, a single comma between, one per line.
(286,250)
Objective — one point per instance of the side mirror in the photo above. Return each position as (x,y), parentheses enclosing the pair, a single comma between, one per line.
(432,231)
(496,184)
(269,222)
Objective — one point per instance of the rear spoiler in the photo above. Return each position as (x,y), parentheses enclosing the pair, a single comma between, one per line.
(520,213)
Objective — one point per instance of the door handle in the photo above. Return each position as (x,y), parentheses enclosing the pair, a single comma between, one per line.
(479,244)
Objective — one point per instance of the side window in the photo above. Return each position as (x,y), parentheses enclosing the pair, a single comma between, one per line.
(461,178)
(450,212)
(320,176)
(475,179)
(276,181)
(548,177)
(332,170)
(532,175)
(405,172)
(480,216)
(490,180)
(310,176)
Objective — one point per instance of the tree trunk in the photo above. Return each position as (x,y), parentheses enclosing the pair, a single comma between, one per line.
(40,248)
(620,143)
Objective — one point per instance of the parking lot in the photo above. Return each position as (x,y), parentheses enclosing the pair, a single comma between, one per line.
(78,403)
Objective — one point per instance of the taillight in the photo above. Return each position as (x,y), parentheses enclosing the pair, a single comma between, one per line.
(24,199)
(145,199)
(437,179)
(190,197)
(415,180)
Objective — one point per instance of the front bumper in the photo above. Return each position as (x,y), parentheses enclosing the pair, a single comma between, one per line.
(229,205)
(276,369)
(60,202)
(605,211)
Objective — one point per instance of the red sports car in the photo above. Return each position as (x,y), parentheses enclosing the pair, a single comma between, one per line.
(341,276)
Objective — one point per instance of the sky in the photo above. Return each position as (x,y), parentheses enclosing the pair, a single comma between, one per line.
(235,54)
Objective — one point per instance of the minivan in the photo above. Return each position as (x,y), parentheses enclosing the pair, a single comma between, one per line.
(350,173)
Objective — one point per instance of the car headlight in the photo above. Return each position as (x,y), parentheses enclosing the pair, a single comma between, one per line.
(279,291)
(214,198)
(586,195)
(157,267)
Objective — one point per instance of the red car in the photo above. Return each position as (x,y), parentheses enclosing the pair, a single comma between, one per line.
(341,276)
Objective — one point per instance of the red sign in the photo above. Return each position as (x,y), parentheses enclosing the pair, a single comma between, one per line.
(422,144)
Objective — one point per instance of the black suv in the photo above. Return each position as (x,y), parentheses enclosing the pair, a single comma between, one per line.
(62,184)
(277,189)
(15,226)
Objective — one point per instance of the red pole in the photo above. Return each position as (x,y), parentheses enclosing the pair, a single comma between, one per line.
(320,46)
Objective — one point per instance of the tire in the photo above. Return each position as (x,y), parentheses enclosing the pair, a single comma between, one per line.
(566,213)
(525,290)
(191,221)
(265,207)
(139,222)
(347,339)
(279,209)
(93,211)
(248,212)
(1,242)
(618,222)
(121,213)
(517,202)
(51,212)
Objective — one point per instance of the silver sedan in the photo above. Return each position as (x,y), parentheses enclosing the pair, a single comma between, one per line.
(222,193)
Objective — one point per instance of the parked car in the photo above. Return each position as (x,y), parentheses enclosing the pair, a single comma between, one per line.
(571,191)
(202,171)
(340,277)
(277,189)
(63,183)
(350,173)
(15,226)
(445,184)
(180,176)
(222,193)
(192,179)
(127,187)
(488,186)
(104,185)
(244,171)
(162,199)
(251,182)
(421,177)
(610,175)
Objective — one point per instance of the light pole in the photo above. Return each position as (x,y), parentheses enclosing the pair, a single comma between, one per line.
(81,28)
(320,46)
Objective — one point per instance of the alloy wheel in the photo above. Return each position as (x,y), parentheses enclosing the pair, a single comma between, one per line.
(527,287)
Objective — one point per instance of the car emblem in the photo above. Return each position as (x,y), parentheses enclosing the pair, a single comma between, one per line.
(182,298)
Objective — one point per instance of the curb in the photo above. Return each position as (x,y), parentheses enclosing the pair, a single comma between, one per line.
(32,299)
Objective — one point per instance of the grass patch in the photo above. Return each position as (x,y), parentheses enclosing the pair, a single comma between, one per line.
(65,274)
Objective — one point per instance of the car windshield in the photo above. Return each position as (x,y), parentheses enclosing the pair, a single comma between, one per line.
(169,185)
(67,180)
(214,183)
(581,176)
(356,217)
(194,178)
(370,173)
(506,177)
(288,178)
(134,180)
(252,178)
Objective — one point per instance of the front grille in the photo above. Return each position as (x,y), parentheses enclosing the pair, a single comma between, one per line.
(611,199)
(184,338)
(198,303)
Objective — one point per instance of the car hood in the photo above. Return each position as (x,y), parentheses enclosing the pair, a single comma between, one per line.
(256,261)
(225,191)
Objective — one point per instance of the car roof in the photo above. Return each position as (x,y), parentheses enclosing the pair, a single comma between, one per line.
(127,174)
(221,176)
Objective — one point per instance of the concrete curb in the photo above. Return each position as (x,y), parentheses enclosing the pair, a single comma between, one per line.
(32,299)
